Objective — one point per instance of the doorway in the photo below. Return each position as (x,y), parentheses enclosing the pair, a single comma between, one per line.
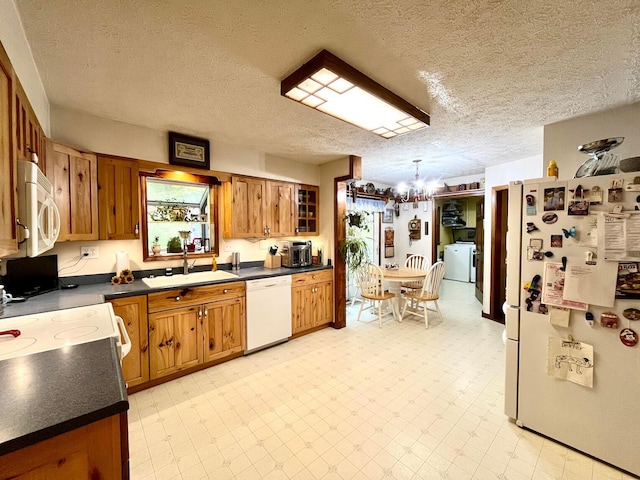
(498,268)
(478,254)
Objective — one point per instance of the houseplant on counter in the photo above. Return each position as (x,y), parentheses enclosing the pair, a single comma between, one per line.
(156,248)
(174,245)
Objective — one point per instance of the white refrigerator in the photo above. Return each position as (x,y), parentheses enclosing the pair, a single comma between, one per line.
(589,400)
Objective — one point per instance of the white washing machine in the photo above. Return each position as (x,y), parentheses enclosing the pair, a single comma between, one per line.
(458,260)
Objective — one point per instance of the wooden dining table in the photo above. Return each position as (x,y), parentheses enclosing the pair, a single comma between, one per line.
(394,278)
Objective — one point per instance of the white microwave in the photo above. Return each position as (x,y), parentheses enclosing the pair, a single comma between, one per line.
(38,215)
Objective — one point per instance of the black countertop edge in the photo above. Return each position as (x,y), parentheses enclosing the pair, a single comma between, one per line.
(94,293)
(67,389)
(59,429)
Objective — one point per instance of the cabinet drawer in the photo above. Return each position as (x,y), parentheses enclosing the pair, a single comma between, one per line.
(188,296)
(302,279)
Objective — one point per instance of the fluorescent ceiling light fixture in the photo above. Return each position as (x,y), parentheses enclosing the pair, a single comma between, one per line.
(334,87)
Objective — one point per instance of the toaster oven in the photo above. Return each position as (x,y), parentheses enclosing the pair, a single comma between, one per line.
(296,253)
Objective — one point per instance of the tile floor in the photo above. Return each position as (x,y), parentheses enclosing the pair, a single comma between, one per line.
(400,402)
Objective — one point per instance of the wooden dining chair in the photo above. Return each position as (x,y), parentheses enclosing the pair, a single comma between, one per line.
(419,262)
(428,293)
(370,280)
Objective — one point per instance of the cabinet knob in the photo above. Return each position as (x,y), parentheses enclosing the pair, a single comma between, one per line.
(226,290)
(313,277)
(178,298)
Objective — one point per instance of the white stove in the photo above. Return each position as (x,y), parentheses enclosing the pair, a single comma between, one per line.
(40,332)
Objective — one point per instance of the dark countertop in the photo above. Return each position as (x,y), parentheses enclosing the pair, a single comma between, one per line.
(92,294)
(50,393)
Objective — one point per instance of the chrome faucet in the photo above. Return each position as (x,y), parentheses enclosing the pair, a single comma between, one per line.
(185,261)
(184,234)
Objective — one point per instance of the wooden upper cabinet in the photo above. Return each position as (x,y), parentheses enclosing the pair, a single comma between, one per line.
(74,176)
(259,208)
(281,219)
(8,206)
(28,132)
(245,208)
(118,200)
(308,207)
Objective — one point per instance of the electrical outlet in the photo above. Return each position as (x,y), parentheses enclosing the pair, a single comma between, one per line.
(89,252)
(228,247)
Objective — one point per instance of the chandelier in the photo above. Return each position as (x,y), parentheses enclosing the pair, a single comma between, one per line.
(416,189)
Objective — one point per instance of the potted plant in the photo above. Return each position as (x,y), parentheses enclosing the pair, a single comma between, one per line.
(156,248)
(356,218)
(354,252)
(354,249)
(174,245)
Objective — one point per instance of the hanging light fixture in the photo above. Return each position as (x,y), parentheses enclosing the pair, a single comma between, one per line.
(334,87)
(416,189)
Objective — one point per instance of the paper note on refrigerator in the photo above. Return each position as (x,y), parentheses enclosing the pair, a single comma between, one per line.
(553,288)
(619,234)
(593,284)
(570,360)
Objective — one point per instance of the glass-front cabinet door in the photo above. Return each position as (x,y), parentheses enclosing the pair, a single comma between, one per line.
(308,210)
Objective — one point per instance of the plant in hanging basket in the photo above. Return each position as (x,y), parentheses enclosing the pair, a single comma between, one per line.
(354,252)
(357,219)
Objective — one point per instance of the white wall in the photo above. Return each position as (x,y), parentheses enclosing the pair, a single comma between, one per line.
(497,176)
(91,133)
(15,44)
(401,232)
(561,139)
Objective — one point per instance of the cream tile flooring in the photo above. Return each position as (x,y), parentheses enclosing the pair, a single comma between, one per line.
(400,402)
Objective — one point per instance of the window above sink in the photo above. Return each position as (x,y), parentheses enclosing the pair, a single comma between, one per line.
(175,202)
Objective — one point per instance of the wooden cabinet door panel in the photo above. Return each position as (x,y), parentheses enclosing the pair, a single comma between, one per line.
(8,233)
(118,199)
(174,338)
(188,339)
(74,176)
(248,207)
(133,310)
(280,208)
(223,327)
(302,308)
(325,303)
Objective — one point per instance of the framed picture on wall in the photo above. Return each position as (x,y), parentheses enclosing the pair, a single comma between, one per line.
(188,151)
(387,215)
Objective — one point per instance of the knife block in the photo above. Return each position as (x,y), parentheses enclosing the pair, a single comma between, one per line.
(273,261)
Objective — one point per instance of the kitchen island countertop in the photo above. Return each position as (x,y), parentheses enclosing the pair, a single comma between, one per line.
(50,393)
(91,294)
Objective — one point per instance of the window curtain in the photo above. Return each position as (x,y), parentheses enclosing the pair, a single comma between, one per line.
(369,205)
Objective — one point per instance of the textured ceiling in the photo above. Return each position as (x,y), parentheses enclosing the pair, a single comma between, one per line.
(490,73)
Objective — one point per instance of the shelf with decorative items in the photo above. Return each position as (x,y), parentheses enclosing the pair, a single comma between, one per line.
(308,206)
(172,224)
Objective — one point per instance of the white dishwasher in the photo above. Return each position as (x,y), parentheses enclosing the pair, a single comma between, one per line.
(268,312)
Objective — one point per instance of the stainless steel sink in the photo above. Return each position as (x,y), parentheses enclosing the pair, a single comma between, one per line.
(180,280)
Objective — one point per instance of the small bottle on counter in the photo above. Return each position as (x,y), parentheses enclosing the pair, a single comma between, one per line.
(552,169)
(214,263)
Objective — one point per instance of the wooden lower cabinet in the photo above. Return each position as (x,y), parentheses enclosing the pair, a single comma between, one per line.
(133,310)
(311,300)
(223,328)
(175,339)
(191,326)
(98,450)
